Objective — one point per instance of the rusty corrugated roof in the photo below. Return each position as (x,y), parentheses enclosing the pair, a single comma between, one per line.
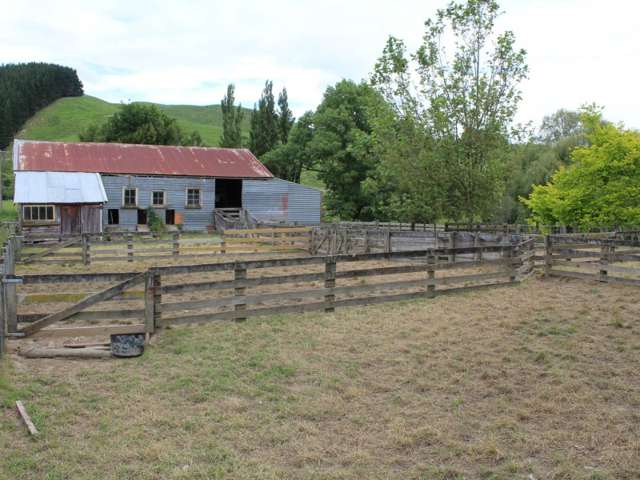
(137,159)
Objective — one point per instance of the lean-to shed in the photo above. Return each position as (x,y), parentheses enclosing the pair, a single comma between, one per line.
(65,203)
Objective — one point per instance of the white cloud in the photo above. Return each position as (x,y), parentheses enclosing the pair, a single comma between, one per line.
(187,51)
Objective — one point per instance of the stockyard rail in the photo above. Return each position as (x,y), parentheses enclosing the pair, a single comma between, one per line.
(130,247)
(88,304)
(144,301)
(611,259)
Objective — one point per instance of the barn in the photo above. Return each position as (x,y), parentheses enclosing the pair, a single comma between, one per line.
(195,188)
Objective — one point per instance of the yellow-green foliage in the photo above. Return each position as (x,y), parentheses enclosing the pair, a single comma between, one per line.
(601,186)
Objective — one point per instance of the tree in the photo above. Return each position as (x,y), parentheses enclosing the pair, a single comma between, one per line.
(289,159)
(142,124)
(26,88)
(561,124)
(231,120)
(464,101)
(285,116)
(601,186)
(342,146)
(264,135)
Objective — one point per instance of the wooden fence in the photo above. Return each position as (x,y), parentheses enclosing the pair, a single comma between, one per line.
(129,247)
(88,304)
(333,239)
(594,258)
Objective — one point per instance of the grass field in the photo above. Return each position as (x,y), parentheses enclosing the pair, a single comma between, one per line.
(64,119)
(536,381)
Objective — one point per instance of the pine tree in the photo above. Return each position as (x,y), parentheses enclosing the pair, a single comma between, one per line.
(285,116)
(264,135)
(231,120)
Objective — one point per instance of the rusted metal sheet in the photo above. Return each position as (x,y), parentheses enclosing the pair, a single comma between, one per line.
(137,159)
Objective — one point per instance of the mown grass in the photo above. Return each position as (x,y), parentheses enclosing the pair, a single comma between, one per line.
(537,381)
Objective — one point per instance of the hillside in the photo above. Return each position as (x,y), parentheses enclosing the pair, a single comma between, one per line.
(64,119)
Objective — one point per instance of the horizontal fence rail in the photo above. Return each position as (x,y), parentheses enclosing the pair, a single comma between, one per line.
(129,247)
(594,258)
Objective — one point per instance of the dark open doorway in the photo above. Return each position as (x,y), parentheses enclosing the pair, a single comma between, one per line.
(142,217)
(170,217)
(228,193)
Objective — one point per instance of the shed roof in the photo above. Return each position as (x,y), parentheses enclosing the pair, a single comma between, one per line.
(59,187)
(132,159)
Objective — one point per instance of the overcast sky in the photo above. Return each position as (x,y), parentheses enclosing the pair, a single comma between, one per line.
(188,51)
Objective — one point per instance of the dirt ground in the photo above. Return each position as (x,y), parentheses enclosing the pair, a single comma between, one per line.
(538,381)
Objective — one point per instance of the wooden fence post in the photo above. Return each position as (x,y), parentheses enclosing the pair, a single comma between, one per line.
(149,304)
(239,276)
(157,300)
(548,251)
(452,244)
(312,241)
(3,326)
(605,251)
(387,241)
(86,253)
(176,244)
(513,261)
(476,245)
(431,275)
(10,289)
(329,283)
(129,247)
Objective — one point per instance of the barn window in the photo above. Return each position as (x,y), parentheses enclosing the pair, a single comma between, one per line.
(157,199)
(113,216)
(38,213)
(130,197)
(193,198)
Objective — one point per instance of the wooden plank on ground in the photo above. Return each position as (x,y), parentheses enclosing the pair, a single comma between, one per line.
(26,418)
(87,302)
(93,331)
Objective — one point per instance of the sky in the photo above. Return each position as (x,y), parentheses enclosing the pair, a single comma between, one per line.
(186,52)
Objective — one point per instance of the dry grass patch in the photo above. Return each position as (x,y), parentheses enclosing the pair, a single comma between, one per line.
(536,381)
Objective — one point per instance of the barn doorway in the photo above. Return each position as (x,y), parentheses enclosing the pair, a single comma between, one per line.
(70,222)
(228,193)
(170,217)
(142,217)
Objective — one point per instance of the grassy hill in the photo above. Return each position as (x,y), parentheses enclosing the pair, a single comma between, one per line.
(64,119)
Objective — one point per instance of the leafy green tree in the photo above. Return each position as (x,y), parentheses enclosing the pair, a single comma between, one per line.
(285,116)
(289,159)
(141,124)
(342,147)
(601,186)
(464,100)
(231,120)
(559,125)
(264,135)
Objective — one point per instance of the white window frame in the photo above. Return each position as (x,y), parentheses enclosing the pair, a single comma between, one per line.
(164,199)
(37,206)
(186,197)
(125,205)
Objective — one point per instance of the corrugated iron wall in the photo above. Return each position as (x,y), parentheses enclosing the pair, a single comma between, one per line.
(278,200)
(266,200)
(272,200)
(175,196)
(304,204)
